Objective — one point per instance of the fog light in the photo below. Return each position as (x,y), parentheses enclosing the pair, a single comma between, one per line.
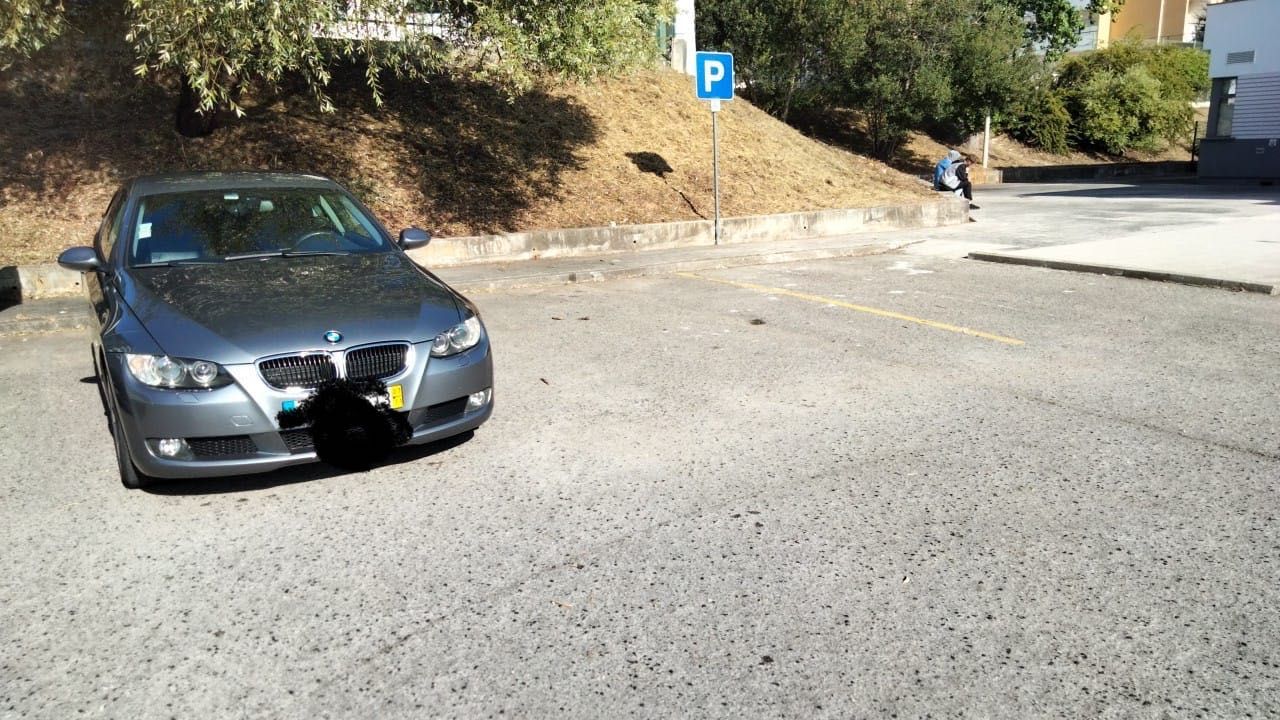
(172,447)
(477,400)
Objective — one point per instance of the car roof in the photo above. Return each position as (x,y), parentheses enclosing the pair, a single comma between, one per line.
(196,181)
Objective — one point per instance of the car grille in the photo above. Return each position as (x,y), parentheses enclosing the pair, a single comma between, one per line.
(301,371)
(437,414)
(298,441)
(222,447)
(376,362)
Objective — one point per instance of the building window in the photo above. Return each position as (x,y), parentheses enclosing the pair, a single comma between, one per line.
(1224,106)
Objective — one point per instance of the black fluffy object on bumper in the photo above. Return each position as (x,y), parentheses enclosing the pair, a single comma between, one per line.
(349,430)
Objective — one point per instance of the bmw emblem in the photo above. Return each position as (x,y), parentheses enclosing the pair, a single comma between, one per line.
(333,336)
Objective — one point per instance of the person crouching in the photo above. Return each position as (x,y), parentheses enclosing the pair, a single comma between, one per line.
(941,168)
(955,179)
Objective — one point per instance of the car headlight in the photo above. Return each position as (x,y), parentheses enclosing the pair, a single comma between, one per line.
(170,372)
(462,336)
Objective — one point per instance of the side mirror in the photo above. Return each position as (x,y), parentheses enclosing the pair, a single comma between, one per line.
(80,259)
(411,238)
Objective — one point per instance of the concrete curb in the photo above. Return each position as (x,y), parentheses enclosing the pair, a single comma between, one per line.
(554,278)
(577,242)
(1101,171)
(1136,273)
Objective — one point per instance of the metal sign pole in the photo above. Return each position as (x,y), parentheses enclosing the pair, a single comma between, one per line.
(715,163)
(714,82)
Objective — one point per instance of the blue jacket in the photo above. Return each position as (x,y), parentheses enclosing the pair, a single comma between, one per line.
(939,170)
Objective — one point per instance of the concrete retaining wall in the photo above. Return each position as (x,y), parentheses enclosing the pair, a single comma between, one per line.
(986,175)
(624,238)
(38,281)
(1072,173)
(49,280)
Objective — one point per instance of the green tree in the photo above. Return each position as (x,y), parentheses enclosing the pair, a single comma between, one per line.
(991,71)
(902,63)
(785,51)
(25,27)
(902,78)
(219,48)
(1056,24)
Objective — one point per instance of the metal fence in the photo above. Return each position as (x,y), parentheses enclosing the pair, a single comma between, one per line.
(1198,132)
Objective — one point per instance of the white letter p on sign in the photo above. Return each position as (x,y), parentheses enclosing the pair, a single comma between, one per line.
(714,74)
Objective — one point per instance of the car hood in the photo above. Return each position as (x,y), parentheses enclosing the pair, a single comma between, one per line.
(237,312)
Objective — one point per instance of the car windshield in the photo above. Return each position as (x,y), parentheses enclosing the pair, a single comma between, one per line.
(216,225)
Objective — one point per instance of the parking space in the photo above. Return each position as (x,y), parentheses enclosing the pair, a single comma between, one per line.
(901,484)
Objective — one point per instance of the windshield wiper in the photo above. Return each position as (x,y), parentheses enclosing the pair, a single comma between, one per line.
(174,263)
(283,253)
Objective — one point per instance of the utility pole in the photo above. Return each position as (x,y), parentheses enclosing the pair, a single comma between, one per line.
(986,141)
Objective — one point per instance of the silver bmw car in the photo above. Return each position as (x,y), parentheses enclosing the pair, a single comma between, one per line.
(223,299)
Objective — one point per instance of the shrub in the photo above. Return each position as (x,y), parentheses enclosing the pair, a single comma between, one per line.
(1044,122)
(1132,96)
(1183,72)
(1107,109)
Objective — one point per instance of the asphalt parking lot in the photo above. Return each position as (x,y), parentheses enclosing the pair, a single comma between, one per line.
(1035,215)
(898,485)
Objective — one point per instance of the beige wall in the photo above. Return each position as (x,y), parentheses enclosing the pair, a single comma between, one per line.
(1142,17)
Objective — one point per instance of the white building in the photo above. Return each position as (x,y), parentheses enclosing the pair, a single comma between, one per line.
(1243,139)
(1097,28)
(360,24)
(1153,21)
(684,42)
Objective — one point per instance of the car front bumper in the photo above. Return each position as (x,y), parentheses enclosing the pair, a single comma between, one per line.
(233,430)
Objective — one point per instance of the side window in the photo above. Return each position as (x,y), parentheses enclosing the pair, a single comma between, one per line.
(356,222)
(355,228)
(111,223)
(1224,107)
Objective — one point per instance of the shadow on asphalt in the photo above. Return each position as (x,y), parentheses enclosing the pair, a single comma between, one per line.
(298,474)
(10,287)
(1166,191)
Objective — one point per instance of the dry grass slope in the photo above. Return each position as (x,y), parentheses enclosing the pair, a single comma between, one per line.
(917,156)
(457,158)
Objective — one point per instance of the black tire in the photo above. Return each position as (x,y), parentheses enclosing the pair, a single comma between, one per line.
(130,476)
(102,388)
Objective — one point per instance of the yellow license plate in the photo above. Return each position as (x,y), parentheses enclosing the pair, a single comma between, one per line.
(396,394)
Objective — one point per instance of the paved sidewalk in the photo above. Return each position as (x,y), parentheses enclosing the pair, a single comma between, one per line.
(1201,234)
(1240,255)
(72,313)
(45,316)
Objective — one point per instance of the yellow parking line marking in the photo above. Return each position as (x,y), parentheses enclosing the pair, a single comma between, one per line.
(860,308)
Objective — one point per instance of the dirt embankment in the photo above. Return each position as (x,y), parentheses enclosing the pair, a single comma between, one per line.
(458,158)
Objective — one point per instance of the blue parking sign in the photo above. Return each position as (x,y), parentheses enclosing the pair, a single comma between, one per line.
(714,80)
